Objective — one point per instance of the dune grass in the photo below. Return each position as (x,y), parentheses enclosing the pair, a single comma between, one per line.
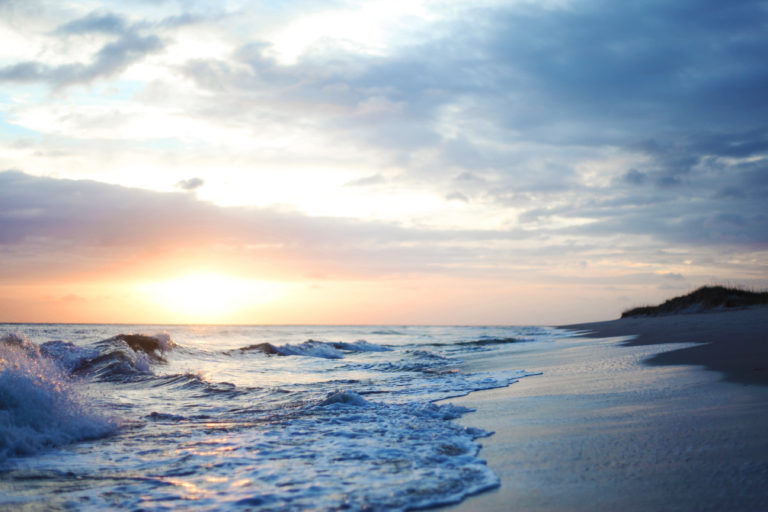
(702,299)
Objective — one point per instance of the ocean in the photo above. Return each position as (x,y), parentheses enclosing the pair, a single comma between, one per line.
(132,417)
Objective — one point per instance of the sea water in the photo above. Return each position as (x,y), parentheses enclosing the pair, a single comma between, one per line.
(132,417)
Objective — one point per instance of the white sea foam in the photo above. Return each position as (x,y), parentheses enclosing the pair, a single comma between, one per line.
(345,398)
(68,355)
(311,348)
(164,341)
(327,349)
(361,346)
(39,405)
(351,424)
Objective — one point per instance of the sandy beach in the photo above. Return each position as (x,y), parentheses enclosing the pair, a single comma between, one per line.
(648,413)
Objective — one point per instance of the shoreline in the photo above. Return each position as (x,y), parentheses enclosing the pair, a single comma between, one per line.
(622,420)
(734,342)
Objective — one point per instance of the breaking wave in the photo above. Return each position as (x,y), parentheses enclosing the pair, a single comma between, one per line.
(322,425)
(312,348)
(121,357)
(40,405)
(42,396)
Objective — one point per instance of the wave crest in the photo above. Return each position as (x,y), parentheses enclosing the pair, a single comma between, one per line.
(40,406)
(124,356)
(154,346)
(312,348)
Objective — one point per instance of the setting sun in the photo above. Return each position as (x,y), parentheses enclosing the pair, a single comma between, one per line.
(206,296)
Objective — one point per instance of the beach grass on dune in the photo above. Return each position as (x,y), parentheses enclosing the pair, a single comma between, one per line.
(702,299)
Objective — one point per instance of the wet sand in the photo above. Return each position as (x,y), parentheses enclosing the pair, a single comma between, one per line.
(615,423)
(736,341)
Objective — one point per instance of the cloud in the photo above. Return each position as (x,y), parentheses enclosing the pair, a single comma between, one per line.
(468,176)
(95,22)
(56,227)
(190,184)
(680,221)
(23,72)
(634,177)
(129,47)
(110,60)
(729,192)
(632,127)
(633,55)
(367,181)
(68,219)
(498,90)
(457,196)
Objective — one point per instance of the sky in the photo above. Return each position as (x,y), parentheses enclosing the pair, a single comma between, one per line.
(398,162)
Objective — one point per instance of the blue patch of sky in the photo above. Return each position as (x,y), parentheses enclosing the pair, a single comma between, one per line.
(10,130)
(26,94)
